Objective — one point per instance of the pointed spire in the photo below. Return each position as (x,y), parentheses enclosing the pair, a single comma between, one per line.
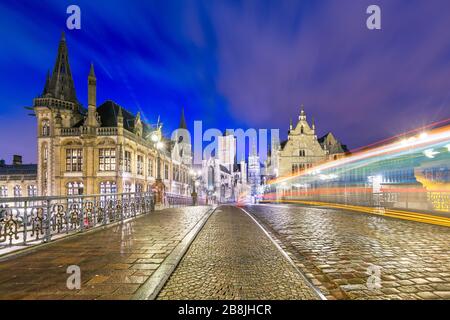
(63,36)
(182,120)
(302,113)
(313,123)
(61,83)
(290,124)
(47,83)
(91,71)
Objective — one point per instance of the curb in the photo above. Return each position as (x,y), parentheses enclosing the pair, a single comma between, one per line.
(150,289)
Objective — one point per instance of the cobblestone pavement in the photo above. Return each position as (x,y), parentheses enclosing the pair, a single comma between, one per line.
(232,258)
(114,262)
(335,248)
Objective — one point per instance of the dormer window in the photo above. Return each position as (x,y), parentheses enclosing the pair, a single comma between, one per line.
(302,130)
(302,153)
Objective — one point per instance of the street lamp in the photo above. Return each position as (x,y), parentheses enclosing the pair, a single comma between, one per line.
(156,138)
(195,183)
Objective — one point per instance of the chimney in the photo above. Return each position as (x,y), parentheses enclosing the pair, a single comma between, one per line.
(17,160)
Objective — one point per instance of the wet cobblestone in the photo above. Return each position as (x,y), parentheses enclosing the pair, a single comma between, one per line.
(114,262)
(335,249)
(232,258)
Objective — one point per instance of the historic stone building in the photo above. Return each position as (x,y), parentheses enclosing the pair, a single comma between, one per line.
(17,179)
(303,149)
(225,179)
(104,149)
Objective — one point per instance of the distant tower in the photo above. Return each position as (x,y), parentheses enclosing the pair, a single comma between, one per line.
(183,142)
(227,150)
(254,170)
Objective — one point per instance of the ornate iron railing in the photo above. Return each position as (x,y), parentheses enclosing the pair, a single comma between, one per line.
(32,220)
(176,200)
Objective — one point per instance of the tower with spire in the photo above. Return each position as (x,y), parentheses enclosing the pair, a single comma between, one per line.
(99,149)
(92,119)
(182,138)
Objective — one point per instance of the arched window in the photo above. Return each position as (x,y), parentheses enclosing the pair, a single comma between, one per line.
(302,130)
(75,188)
(45,153)
(3,191)
(127,188)
(45,125)
(17,191)
(302,153)
(139,188)
(108,187)
(32,191)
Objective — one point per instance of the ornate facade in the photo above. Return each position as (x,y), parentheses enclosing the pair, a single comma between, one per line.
(303,149)
(104,149)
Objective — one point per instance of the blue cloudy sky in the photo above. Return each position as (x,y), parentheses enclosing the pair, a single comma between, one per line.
(236,64)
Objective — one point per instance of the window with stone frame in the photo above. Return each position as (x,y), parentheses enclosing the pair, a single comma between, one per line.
(127,188)
(3,191)
(127,162)
(302,153)
(140,164)
(75,188)
(17,191)
(45,127)
(45,153)
(139,188)
(74,160)
(150,167)
(166,171)
(107,159)
(108,187)
(32,190)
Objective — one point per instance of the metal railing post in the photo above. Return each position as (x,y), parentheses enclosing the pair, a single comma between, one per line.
(48,222)
(25,223)
(82,215)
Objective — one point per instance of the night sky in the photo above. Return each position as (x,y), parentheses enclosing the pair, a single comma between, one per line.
(235,64)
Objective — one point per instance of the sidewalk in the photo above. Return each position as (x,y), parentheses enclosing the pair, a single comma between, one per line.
(232,258)
(114,262)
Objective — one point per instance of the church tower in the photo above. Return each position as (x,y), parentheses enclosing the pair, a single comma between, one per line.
(183,146)
(56,108)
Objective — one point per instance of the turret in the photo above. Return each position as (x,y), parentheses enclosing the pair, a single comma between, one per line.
(92,99)
(138,125)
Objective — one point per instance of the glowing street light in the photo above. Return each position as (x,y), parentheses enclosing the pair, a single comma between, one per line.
(159,145)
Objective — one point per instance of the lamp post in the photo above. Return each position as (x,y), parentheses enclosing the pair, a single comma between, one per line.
(195,183)
(155,137)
